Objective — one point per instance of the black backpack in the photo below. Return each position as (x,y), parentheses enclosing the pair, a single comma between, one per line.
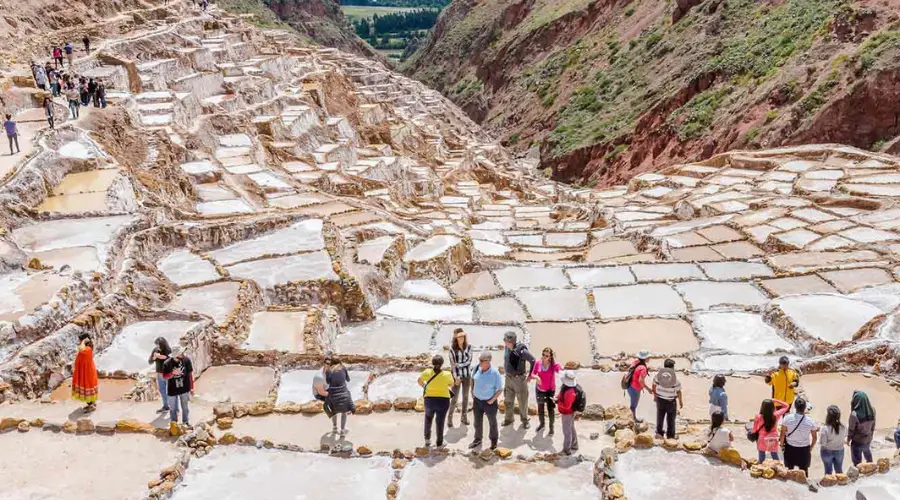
(580,402)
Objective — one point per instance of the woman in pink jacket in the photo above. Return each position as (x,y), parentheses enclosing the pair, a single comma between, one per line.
(766,425)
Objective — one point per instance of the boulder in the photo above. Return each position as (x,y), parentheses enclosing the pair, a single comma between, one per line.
(852,473)
(624,440)
(363,407)
(392,489)
(828,480)
(841,479)
(798,476)
(289,408)
(421,451)
(84,426)
(398,463)
(107,427)
(70,427)
(241,410)
(261,408)
(756,470)
(883,465)
(624,423)
(23,426)
(404,403)
(617,412)
(364,450)
(223,410)
(8,423)
(420,405)
(36,422)
(228,438)
(867,468)
(132,425)
(312,408)
(52,426)
(247,440)
(693,445)
(593,412)
(503,453)
(176,430)
(224,422)
(671,444)
(382,406)
(615,491)
(730,456)
(644,440)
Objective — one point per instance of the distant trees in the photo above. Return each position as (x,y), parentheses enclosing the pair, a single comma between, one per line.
(396,22)
(398,3)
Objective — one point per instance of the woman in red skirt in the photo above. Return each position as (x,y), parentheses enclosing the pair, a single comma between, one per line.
(84,377)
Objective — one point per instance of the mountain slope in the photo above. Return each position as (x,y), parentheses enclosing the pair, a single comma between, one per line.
(608,88)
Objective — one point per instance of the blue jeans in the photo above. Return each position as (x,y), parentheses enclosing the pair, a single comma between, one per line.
(73,108)
(635,396)
(762,455)
(173,407)
(897,437)
(857,451)
(833,460)
(161,384)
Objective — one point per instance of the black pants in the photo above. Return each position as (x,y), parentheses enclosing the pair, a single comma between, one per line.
(325,406)
(797,456)
(436,409)
(481,409)
(545,398)
(665,409)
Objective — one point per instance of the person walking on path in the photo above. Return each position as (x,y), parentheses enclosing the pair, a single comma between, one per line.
(487,385)
(100,95)
(320,386)
(798,437)
(861,428)
(72,95)
(48,111)
(718,399)
(720,437)
(436,384)
(70,52)
(83,94)
(765,429)
(92,93)
(339,398)
(12,133)
(85,384)
(461,366)
(568,403)
(158,357)
(666,388)
(40,77)
(784,381)
(178,370)
(57,56)
(832,437)
(545,370)
(87,44)
(635,381)
(897,435)
(53,78)
(515,357)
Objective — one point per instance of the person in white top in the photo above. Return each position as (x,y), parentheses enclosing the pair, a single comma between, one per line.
(833,434)
(798,436)
(719,437)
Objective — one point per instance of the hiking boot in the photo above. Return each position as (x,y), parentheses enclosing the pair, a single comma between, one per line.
(428,443)
(475,444)
(539,427)
(493,445)
(550,433)
(449,423)
(526,425)
(506,422)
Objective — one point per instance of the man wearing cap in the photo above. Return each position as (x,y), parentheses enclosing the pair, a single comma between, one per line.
(666,389)
(487,385)
(784,381)
(179,374)
(564,403)
(514,359)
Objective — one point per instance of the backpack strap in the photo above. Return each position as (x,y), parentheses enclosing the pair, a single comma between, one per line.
(802,417)
(425,387)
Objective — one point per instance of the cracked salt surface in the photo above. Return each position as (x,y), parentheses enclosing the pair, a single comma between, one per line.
(239,473)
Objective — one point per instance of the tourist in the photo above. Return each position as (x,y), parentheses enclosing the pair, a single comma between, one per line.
(40,77)
(158,357)
(783,381)
(436,384)
(666,388)
(57,56)
(720,437)
(545,370)
(73,96)
(514,358)
(12,133)
(339,398)
(461,365)
(861,428)
(92,93)
(635,380)
(487,385)
(87,44)
(320,386)
(83,91)
(178,370)
(798,437)
(570,400)
(48,111)
(718,399)
(765,429)
(70,51)
(53,78)
(100,95)
(897,435)
(833,434)
(85,384)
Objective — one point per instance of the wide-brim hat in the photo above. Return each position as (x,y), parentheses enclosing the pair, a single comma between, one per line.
(568,378)
(643,354)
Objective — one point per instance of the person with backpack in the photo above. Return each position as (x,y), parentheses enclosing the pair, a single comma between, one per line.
(487,385)
(718,399)
(70,52)
(666,388)
(545,371)
(765,428)
(784,381)
(720,437)
(87,44)
(833,434)
(57,56)
(798,437)
(861,428)
(634,381)
(436,385)
(40,77)
(514,359)
(100,95)
(571,399)
(178,370)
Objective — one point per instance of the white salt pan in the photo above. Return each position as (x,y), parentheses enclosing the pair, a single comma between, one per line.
(738,332)
(186,268)
(515,278)
(843,319)
(130,349)
(299,237)
(638,300)
(425,311)
(429,289)
(270,272)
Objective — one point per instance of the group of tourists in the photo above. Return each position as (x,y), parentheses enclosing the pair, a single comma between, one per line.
(78,91)
(174,379)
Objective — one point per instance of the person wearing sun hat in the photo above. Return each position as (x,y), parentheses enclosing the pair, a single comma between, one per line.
(567,406)
(634,381)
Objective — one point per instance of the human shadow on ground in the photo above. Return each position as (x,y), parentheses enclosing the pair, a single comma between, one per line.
(335,442)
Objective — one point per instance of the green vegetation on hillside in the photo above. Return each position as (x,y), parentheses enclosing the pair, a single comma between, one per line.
(391,29)
(262,16)
(437,4)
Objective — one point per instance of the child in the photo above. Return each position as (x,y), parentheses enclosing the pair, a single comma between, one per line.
(719,437)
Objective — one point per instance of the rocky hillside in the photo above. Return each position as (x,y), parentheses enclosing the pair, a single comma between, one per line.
(608,88)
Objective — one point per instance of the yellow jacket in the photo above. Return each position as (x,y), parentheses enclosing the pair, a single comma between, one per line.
(782,385)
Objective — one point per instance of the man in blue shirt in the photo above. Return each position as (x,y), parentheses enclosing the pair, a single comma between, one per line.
(486,390)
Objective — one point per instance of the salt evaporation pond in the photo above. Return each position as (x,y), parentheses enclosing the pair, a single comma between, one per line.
(130,349)
(239,473)
(459,479)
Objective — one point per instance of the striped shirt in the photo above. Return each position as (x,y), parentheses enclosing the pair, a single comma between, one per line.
(667,384)
(461,362)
